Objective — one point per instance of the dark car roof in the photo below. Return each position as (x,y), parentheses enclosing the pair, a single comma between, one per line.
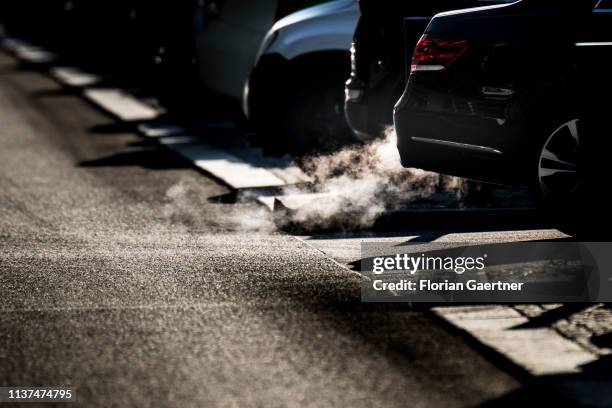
(420,7)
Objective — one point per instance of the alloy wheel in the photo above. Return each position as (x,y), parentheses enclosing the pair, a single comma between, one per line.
(558,162)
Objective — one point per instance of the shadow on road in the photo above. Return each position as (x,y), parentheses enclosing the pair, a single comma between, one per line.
(413,343)
(156,158)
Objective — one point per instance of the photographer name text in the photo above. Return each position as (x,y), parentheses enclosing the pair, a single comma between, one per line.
(412,264)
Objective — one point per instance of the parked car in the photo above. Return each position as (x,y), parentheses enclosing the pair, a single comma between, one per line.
(513,94)
(294,96)
(386,29)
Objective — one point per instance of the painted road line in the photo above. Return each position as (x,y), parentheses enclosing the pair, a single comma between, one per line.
(11,44)
(238,167)
(229,168)
(283,167)
(266,201)
(28,52)
(156,130)
(173,141)
(35,55)
(74,77)
(291,201)
(122,105)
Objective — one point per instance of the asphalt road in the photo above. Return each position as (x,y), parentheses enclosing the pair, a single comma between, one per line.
(123,277)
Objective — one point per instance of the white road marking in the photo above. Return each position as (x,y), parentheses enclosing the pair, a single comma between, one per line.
(292,201)
(11,44)
(27,52)
(155,130)
(266,201)
(225,166)
(74,77)
(122,105)
(240,168)
(170,141)
(283,167)
(33,54)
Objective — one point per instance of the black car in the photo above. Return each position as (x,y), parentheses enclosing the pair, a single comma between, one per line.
(513,94)
(378,71)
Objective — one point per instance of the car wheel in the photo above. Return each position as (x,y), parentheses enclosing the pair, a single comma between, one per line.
(314,119)
(559,184)
(558,164)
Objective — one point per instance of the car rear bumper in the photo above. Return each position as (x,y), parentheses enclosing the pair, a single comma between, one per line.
(358,111)
(459,143)
(369,111)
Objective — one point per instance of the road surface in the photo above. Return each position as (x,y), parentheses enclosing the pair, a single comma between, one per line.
(122,276)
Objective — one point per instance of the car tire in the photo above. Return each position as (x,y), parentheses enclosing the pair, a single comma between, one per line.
(314,117)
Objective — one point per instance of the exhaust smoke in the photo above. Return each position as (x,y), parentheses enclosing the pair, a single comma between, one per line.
(360,183)
(186,210)
(351,189)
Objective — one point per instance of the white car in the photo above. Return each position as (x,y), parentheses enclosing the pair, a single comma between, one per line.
(295,94)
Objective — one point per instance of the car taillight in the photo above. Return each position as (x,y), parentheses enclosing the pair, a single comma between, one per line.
(436,54)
